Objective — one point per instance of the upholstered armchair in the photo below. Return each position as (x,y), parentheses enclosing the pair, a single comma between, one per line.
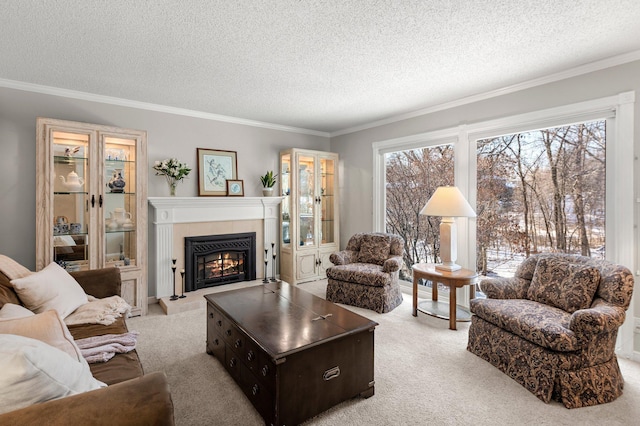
(553,327)
(366,273)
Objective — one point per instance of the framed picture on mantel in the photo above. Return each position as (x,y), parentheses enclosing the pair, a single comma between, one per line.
(235,188)
(215,167)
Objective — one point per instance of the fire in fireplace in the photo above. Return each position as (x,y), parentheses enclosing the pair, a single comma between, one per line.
(213,260)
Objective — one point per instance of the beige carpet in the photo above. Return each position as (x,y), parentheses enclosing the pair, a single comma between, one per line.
(423,372)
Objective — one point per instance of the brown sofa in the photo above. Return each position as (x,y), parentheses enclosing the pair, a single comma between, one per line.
(553,327)
(131,397)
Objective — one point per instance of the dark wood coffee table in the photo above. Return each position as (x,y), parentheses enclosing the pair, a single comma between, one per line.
(293,354)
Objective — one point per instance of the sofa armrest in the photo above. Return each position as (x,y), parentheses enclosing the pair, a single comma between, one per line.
(392,264)
(504,288)
(144,400)
(343,257)
(99,283)
(601,317)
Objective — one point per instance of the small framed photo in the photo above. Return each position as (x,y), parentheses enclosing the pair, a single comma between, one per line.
(215,167)
(235,188)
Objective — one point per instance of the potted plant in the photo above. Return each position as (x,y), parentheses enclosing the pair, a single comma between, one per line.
(268,182)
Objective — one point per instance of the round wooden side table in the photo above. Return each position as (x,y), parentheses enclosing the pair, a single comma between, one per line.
(453,280)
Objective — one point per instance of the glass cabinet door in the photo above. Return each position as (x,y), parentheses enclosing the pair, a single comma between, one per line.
(306,200)
(70,227)
(119,201)
(285,207)
(327,194)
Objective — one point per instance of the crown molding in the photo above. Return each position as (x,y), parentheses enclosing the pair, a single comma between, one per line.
(562,75)
(92,97)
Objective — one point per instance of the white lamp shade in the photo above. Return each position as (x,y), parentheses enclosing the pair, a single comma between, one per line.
(448,201)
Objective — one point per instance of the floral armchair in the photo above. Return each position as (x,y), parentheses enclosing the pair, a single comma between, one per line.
(366,273)
(553,327)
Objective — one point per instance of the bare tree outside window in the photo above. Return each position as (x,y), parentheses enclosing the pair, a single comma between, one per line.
(540,191)
(411,178)
(537,191)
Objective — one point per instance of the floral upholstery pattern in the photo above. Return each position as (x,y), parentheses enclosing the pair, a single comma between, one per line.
(562,284)
(368,273)
(374,248)
(371,285)
(554,353)
(541,324)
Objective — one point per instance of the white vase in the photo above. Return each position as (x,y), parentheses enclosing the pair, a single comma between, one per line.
(267,192)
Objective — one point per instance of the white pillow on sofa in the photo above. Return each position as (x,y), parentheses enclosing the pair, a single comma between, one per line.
(47,327)
(50,288)
(34,372)
(12,311)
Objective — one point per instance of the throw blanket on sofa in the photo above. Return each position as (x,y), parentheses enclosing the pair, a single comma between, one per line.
(99,311)
(103,348)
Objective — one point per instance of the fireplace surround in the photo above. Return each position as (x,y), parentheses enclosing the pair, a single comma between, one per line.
(212,260)
(181,217)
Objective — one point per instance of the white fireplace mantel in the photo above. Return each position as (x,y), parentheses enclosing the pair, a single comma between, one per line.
(168,211)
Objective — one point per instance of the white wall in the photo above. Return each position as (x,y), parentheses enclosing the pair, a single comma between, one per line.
(168,135)
(356,152)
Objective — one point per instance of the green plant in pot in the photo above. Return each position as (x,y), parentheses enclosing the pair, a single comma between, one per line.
(268,182)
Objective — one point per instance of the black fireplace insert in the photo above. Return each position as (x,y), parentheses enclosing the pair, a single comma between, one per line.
(212,260)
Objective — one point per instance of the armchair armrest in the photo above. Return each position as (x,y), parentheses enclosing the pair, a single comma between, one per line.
(601,317)
(505,288)
(392,264)
(99,283)
(343,257)
(125,403)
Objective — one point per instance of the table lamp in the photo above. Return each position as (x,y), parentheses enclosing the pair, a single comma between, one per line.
(448,202)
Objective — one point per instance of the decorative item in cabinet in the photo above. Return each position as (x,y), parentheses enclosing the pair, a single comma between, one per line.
(91,201)
(309,213)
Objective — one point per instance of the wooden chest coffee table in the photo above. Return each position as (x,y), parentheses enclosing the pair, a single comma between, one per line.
(293,354)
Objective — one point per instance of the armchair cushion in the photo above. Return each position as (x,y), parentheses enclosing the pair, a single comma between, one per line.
(563,284)
(374,248)
(541,324)
(360,273)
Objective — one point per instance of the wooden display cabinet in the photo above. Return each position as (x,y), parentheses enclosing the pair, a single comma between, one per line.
(309,213)
(91,194)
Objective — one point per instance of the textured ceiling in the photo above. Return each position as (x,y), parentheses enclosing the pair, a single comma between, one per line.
(313,64)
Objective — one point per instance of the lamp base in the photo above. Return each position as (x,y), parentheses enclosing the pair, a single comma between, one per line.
(448,267)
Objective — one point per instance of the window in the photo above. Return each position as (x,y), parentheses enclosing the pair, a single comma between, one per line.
(540,191)
(412,176)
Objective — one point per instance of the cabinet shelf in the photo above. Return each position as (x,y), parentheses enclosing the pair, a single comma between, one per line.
(118,163)
(115,231)
(63,159)
(119,193)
